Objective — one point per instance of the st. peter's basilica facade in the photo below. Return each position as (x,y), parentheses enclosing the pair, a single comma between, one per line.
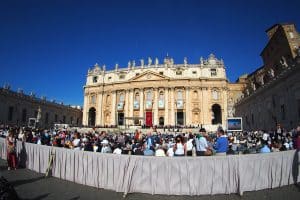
(155,94)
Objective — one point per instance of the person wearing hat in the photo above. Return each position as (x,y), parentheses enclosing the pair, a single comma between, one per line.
(105,147)
(202,148)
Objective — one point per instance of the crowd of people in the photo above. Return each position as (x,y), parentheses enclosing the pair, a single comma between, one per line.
(154,142)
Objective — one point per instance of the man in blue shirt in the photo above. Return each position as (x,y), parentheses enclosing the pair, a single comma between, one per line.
(221,145)
(265,148)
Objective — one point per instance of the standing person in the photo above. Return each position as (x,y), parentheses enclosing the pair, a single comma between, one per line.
(179,147)
(221,145)
(189,145)
(76,143)
(202,148)
(11,151)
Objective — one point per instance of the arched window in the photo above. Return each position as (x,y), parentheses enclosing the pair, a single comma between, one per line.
(161,101)
(108,99)
(149,95)
(216,114)
(93,99)
(122,97)
(215,95)
(92,116)
(137,96)
(161,95)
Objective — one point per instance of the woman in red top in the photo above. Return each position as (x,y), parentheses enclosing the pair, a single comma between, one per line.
(11,151)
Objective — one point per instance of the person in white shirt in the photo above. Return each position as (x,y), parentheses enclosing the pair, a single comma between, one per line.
(118,150)
(105,147)
(160,152)
(76,143)
(202,148)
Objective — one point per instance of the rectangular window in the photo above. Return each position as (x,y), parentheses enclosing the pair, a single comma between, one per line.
(161,73)
(194,72)
(95,79)
(282,110)
(109,78)
(71,120)
(56,118)
(122,76)
(137,74)
(213,72)
(64,119)
(10,113)
(179,73)
(252,118)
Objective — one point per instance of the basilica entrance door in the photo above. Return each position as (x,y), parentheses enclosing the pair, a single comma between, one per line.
(149,119)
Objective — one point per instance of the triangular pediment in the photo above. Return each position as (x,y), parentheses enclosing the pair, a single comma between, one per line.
(149,76)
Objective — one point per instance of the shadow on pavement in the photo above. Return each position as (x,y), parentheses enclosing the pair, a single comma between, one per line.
(295,170)
(39,197)
(75,198)
(26,181)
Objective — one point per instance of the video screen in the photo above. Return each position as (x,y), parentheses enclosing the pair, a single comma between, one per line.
(234,124)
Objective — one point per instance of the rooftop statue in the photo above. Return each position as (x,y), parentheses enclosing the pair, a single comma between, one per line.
(149,61)
(156,61)
(185,61)
(142,62)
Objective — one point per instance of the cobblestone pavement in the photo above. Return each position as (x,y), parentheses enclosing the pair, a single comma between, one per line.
(33,186)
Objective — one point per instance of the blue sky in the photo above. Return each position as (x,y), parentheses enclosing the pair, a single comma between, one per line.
(47,46)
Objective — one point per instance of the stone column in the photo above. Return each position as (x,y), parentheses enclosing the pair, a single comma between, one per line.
(142,103)
(206,113)
(187,106)
(166,120)
(85,110)
(99,114)
(130,103)
(224,108)
(113,108)
(155,106)
(172,112)
(126,108)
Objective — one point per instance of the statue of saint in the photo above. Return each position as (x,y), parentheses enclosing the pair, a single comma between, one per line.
(142,62)
(185,61)
(129,64)
(133,63)
(201,60)
(271,73)
(283,62)
(253,85)
(156,61)
(116,66)
(149,61)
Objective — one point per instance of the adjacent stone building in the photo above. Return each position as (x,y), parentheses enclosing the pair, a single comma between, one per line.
(155,94)
(17,107)
(272,92)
